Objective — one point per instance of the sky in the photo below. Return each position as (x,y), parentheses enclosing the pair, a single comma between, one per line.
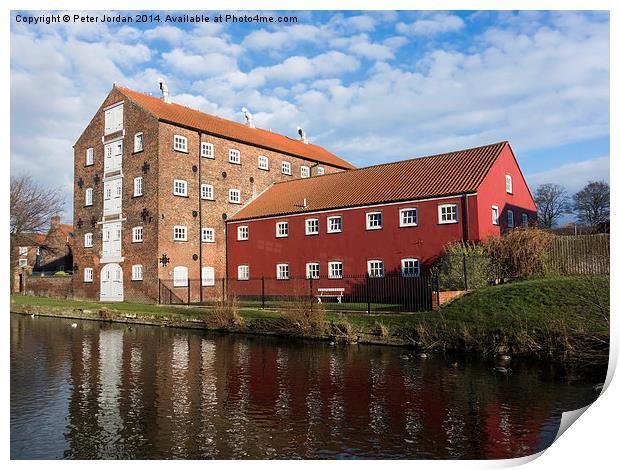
(371,87)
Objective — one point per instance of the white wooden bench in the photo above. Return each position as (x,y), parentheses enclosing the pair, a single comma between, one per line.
(337,292)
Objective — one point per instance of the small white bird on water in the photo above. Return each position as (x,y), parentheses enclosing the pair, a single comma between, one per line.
(32,315)
(73,325)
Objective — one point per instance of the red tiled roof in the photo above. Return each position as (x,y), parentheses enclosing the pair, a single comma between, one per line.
(437,175)
(184,116)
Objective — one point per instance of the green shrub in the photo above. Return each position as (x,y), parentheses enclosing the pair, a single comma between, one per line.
(464,258)
(60,273)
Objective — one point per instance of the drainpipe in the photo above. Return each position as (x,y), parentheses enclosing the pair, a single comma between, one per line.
(465,206)
(200,214)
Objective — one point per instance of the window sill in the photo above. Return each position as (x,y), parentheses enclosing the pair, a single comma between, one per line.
(181,195)
(281,236)
(181,151)
(242,239)
(374,228)
(334,231)
(263,169)
(136,152)
(235,203)
(208,241)
(89,164)
(182,241)
(234,163)
(311,234)
(207,199)
(450,222)
(134,241)
(136,280)
(407,225)
(207,156)
(136,196)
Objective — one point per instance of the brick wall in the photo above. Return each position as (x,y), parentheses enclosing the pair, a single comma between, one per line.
(50,286)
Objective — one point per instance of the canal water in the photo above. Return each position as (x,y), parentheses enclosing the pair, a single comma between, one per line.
(114,391)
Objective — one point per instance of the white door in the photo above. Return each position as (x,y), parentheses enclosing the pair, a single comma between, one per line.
(111,283)
(111,240)
(113,196)
(113,156)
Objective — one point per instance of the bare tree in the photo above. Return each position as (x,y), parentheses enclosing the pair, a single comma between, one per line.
(552,201)
(592,203)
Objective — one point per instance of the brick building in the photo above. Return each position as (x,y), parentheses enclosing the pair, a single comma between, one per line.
(154,184)
(48,252)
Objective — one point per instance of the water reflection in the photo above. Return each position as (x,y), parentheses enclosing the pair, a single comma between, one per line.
(114,391)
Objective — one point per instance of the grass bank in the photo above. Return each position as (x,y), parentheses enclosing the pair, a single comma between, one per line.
(565,319)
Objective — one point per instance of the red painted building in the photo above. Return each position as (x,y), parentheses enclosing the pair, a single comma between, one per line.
(391,218)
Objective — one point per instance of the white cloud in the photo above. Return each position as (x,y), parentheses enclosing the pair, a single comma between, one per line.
(170,34)
(296,68)
(435,24)
(573,176)
(199,64)
(286,37)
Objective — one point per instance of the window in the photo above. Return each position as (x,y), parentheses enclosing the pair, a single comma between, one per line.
(286,168)
(89,197)
(305,171)
(524,219)
(408,217)
(137,186)
(334,224)
(281,229)
(510,219)
(136,272)
(180,143)
(320,170)
(208,235)
(180,233)
(410,267)
(179,276)
(138,142)
(234,156)
(88,274)
(448,214)
(23,262)
(23,250)
(313,270)
(243,232)
(282,271)
(336,270)
(509,184)
(375,268)
(180,188)
(263,162)
(206,191)
(312,226)
(208,276)
(243,272)
(90,156)
(234,196)
(88,240)
(206,150)
(113,118)
(137,235)
(374,220)
(495,215)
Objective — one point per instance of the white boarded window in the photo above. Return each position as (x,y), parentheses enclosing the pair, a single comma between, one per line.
(320,170)
(234,156)
(495,215)
(408,217)
(281,229)
(313,270)
(88,197)
(137,235)
(90,156)
(180,188)
(334,224)
(23,250)
(208,235)
(180,143)
(88,274)
(179,276)
(206,191)
(510,218)
(525,219)
(509,184)
(263,162)
(375,268)
(208,276)
(286,168)
(136,272)
(282,271)
(448,214)
(113,119)
(312,226)
(138,142)
(206,150)
(180,233)
(374,220)
(137,186)
(336,269)
(88,240)
(243,272)
(234,196)
(410,267)
(243,232)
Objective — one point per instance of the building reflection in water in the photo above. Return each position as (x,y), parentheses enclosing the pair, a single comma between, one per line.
(146,392)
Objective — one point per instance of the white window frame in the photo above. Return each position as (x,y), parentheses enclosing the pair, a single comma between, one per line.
(263,162)
(330,269)
(377,271)
(137,272)
(401,216)
(207,235)
(206,188)
(179,233)
(179,143)
(243,232)
(138,142)
(495,214)
(320,170)
(207,150)
(304,171)
(416,267)
(90,156)
(282,229)
(180,276)
(510,218)
(311,223)
(234,156)
(138,186)
(448,221)
(88,197)
(243,272)
(88,274)
(88,240)
(287,168)
(509,184)
(113,119)
(234,196)
(280,274)
(207,276)
(525,219)
(22,250)
(137,234)
(329,224)
(371,226)
(181,190)
(309,267)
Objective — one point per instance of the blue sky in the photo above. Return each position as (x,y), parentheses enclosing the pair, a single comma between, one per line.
(371,87)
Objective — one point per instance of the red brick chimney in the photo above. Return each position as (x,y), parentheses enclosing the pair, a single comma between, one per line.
(55,224)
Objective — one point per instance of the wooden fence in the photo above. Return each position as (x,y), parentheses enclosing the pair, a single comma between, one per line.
(580,254)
